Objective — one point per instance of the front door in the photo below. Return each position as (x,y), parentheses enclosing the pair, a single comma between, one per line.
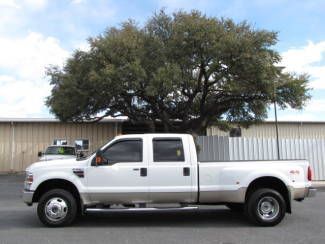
(124,178)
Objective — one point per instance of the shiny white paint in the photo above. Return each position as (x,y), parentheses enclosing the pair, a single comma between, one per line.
(58,169)
(232,176)
(119,183)
(166,180)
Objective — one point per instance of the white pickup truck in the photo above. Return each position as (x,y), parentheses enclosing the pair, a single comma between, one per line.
(140,172)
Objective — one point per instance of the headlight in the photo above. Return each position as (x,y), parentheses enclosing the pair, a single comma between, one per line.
(28,180)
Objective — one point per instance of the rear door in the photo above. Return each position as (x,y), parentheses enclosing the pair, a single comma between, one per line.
(170,170)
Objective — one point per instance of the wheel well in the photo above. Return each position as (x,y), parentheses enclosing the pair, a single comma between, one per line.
(57,184)
(272,183)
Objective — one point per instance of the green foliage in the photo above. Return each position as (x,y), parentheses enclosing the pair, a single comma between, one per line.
(184,67)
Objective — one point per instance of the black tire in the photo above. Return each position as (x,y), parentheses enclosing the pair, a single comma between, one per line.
(61,200)
(265,207)
(236,207)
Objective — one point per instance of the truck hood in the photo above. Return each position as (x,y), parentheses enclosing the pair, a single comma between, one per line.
(55,164)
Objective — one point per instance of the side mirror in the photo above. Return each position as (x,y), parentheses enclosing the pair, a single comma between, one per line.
(39,154)
(80,154)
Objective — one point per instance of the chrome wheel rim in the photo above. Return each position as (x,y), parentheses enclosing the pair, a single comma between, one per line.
(268,208)
(56,209)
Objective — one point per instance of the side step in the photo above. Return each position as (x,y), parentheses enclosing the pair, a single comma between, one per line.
(110,210)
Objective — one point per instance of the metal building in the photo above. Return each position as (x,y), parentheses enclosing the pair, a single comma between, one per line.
(287,130)
(22,139)
(224,148)
(297,140)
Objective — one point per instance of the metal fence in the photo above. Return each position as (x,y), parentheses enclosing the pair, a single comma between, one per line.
(222,148)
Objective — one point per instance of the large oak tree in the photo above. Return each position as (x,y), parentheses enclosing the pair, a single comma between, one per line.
(185,71)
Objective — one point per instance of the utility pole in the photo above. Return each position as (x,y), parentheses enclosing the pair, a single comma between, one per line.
(276,122)
(276,130)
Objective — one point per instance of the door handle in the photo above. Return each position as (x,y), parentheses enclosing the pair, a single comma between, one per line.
(136,169)
(143,172)
(186,171)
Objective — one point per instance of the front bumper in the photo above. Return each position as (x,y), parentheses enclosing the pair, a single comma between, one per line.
(28,197)
(311,192)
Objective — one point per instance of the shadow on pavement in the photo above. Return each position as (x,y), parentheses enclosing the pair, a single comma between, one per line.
(198,218)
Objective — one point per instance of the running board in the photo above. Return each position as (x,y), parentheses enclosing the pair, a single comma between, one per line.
(110,210)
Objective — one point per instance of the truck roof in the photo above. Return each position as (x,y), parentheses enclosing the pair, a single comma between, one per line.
(152,134)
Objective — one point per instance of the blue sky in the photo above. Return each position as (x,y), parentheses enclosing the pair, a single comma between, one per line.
(37,33)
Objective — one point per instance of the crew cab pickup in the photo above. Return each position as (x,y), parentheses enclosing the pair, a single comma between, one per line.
(144,171)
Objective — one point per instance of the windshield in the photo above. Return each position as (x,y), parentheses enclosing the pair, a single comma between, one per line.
(55,150)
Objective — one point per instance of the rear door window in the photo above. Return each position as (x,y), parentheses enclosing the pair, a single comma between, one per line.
(168,150)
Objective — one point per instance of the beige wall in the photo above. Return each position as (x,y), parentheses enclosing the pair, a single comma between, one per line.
(308,130)
(21,141)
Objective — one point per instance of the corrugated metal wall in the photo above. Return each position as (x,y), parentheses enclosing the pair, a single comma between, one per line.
(310,130)
(21,141)
(216,148)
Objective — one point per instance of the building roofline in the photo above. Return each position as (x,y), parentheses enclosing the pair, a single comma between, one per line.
(54,120)
(123,119)
(294,122)
(286,122)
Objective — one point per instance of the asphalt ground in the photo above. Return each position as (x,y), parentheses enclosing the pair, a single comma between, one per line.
(19,224)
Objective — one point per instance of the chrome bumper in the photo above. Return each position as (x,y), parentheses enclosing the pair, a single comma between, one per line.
(28,197)
(311,192)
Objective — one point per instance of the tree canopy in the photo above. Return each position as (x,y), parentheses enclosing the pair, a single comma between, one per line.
(185,70)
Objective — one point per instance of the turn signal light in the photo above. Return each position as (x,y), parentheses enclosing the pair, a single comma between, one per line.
(29,178)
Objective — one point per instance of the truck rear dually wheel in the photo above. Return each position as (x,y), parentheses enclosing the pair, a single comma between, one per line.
(57,208)
(265,207)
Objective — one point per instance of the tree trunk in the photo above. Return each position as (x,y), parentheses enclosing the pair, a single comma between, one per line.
(151,126)
(166,128)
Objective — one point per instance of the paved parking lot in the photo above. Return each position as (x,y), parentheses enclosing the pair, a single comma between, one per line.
(19,224)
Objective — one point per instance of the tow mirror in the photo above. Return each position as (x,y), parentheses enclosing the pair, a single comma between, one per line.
(80,154)
(39,154)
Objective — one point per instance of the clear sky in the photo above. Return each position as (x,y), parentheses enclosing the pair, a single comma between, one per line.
(37,33)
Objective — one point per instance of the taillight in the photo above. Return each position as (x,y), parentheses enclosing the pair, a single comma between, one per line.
(309,174)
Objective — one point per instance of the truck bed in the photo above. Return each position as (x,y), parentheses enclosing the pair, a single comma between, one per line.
(228,181)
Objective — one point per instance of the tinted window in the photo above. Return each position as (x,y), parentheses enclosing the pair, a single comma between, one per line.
(168,150)
(60,151)
(124,151)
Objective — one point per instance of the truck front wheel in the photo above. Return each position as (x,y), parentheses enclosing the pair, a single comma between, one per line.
(57,208)
(265,207)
